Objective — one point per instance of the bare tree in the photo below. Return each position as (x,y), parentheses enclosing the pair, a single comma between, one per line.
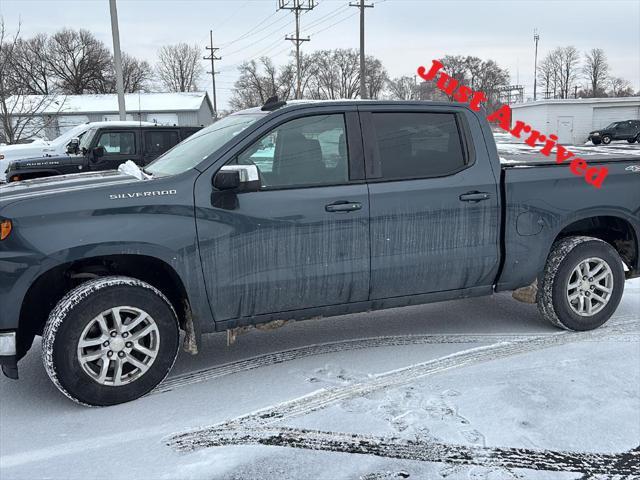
(376,77)
(596,70)
(136,75)
(620,87)
(486,76)
(569,59)
(260,80)
(337,74)
(81,62)
(30,65)
(179,67)
(403,88)
(548,74)
(21,114)
(559,71)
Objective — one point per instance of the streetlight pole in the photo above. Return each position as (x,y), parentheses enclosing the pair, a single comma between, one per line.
(117,58)
(536,37)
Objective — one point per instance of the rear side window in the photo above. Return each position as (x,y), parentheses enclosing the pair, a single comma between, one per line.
(418,145)
(159,141)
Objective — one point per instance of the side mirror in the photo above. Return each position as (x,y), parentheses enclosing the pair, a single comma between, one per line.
(73,146)
(242,178)
(98,152)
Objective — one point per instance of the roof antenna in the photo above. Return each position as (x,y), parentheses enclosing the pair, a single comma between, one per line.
(272,104)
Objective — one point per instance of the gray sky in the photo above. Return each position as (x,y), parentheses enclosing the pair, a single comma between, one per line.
(403,34)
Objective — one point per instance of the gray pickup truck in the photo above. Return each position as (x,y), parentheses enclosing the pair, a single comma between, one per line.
(294,211)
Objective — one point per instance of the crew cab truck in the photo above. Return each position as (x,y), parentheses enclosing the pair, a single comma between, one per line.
(103,147)
(294,211)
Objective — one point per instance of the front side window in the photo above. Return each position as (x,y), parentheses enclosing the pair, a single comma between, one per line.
(118,143)
(302,152)
(418,145)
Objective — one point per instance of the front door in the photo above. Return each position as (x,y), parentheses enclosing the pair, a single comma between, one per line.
(302,240)
(433,201)
(119,146)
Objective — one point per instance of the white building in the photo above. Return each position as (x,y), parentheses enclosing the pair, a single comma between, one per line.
(572,119)
(61,112)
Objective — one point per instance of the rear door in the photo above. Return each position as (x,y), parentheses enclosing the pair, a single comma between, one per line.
(302,240)
(433,201)
(158,141)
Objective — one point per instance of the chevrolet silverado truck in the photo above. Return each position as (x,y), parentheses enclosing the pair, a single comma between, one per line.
(103,147)
(295,211)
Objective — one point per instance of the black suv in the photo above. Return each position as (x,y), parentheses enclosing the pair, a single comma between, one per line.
(103,148)
(628,130)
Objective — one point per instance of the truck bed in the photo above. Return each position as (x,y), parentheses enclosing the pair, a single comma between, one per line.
(542,199)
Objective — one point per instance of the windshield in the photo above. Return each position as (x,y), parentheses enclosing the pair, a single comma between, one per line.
(85,139)
(66,137)
(199,146)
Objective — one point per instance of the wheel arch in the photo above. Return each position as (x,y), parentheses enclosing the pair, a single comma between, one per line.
(615,230)
(50,286)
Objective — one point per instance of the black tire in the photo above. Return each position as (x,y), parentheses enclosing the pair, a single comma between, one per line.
(631,140)
(596,141)
(565,255)
(72,315)
(606,139)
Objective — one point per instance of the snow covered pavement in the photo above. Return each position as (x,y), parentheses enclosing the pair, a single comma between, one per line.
(478,388)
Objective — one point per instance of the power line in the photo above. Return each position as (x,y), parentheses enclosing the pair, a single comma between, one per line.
(328,16)
(254,42)
(297,7)
(324,18)
(333,24)
(252,31)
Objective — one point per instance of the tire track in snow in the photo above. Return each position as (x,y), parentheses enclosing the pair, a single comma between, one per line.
(627,463)
(244,429)
(275,358)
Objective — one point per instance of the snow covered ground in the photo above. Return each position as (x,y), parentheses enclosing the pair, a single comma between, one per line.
(512,149)
(473,389)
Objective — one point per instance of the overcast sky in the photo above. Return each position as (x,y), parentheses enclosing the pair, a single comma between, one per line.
(402,33)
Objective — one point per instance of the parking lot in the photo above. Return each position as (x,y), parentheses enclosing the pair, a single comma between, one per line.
(478,388)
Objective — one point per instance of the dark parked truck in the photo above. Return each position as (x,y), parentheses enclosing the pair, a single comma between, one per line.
(628,130)
(291,212)
(103,147)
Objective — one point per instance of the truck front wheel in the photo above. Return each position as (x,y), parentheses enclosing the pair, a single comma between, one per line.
(582,283)
(109,341)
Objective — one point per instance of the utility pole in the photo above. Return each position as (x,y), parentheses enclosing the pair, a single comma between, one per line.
(213,58)
(536,37)
(297,7)
(117,58)
(363,72)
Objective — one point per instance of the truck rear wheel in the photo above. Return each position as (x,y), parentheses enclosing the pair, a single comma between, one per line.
(582,283)
(109,341)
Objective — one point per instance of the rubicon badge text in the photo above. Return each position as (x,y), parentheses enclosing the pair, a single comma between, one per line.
(154,193)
